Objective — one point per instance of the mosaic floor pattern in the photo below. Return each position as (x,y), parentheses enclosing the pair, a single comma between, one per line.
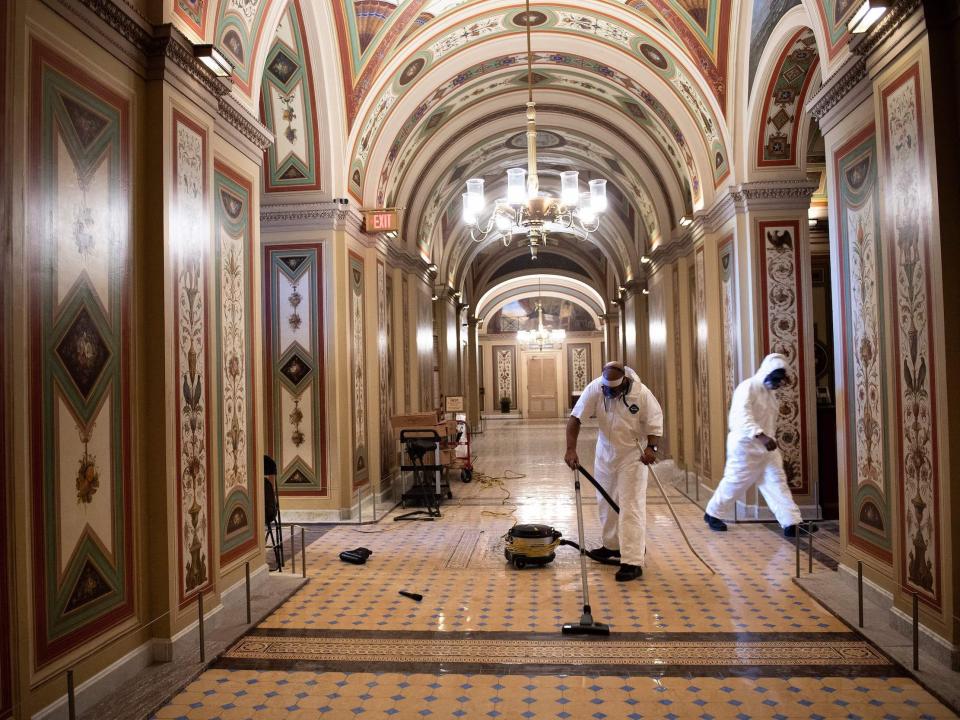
(485,641)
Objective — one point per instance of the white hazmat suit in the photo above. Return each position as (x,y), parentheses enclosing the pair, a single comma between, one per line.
(754,410)
(617,465)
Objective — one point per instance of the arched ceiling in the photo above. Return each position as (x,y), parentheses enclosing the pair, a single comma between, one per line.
(646,93)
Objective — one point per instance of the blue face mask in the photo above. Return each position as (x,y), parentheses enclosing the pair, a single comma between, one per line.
(613,392)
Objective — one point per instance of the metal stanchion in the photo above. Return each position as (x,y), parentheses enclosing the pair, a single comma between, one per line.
(916,631)
(374,493)
(735,512)
(796,537)
(71,697)
(246,571)
(860,593)
(203,654)
(303,551)
(810,548)
(359,506)
(686,479)
(293,551)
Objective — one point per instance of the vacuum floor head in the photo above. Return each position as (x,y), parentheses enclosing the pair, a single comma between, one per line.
(580,628)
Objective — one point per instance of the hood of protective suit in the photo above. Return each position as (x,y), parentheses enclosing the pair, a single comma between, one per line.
(774,361)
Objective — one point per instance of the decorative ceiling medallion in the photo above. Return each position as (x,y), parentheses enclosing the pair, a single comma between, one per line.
(295,369)
(654,56)
(530,17)
(411,71)
(545,139)
(84,353)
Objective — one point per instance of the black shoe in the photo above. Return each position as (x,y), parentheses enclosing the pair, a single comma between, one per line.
(790,531)
(628,572)
(604,555)
(715,523)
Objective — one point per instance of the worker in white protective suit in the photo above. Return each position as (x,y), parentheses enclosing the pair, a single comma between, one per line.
(631,423)
(753,456)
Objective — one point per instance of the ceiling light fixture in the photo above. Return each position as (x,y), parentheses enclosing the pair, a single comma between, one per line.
(526,210)
(645,259)
(541,337)
(215,60)
(866,16)
(686,221)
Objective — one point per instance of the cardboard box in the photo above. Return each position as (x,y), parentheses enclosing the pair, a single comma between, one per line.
(446,457)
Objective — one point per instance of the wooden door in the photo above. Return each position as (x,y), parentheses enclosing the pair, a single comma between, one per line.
(542,387)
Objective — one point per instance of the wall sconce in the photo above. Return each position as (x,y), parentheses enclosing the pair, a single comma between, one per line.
(686,221)
(215,60)
(645,291)
(645,259)
(435,298)
(432,268)
(866,16)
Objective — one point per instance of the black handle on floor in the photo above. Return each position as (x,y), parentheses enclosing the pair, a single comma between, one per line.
(606,496)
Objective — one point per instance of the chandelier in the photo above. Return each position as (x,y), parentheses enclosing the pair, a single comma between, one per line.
(541,337)
(526,211)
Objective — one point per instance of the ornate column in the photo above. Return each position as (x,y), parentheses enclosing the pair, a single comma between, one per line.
(611,334)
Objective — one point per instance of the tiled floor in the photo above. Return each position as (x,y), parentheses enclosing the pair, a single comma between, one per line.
(475,600)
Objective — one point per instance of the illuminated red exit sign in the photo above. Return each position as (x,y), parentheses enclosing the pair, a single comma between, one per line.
(381,221)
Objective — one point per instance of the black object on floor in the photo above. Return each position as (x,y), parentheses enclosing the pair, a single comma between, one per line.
(587,625)
(356,557)
(413,596)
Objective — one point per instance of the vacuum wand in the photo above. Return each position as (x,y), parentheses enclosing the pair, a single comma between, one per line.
(677,520)
(587,625)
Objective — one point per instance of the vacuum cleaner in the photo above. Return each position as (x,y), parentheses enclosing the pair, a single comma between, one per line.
(533,544)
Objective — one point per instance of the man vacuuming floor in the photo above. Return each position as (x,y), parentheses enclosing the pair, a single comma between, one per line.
(630,418)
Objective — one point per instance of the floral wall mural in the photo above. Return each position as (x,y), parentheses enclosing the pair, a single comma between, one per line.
(906,223)
(233,233)
(192,233)
(780,262)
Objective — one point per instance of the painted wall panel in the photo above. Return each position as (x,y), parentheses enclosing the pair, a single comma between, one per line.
(729,323)
(287,107)
(863,300)
(701,370)
(505,374)
(907,229)
(781,300)
(358,372)
(388,439)
(233,233)
(190,234)
(79,250)
(293,336)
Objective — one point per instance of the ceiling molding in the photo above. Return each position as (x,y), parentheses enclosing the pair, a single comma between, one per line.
(773,195)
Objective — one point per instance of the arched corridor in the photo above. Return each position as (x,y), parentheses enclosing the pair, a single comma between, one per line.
(263,260)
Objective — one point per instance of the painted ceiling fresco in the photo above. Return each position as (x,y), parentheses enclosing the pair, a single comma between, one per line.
(373,32)
(626,38)
(558,314)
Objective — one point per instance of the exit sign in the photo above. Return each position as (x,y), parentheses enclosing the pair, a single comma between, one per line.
(381,221)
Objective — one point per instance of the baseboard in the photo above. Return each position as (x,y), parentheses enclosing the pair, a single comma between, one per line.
(183,643)
(931,642)
(96,688)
